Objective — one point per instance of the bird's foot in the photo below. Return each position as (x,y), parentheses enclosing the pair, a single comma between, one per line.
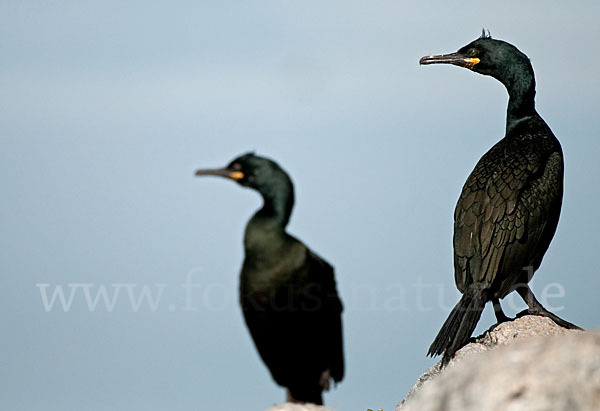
(542,312)
(324,380)
(502,318)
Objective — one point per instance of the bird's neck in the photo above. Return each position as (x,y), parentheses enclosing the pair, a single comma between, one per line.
(265,233)
(271,220)
(266,229)
(520,84)
(277,207)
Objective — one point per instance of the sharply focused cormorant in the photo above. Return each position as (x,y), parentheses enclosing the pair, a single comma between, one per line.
(287,292)
(509,207)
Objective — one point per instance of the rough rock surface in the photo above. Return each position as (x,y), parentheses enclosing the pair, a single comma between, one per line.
(526,364)
(289,406)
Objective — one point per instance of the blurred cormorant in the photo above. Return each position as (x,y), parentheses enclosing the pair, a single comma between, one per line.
(287,292)
(509,207)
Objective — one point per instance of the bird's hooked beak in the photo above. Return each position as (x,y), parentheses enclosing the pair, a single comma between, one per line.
(453,58)
(235,175)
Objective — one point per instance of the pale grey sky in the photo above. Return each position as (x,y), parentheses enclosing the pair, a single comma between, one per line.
(108,107)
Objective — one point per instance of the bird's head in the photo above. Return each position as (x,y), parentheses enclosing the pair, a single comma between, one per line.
(488,56)
(252,171)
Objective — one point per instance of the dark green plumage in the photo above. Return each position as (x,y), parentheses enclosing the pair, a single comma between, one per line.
(508,210)
(287,292)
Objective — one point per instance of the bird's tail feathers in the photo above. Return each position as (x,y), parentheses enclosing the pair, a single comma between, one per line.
(459,325)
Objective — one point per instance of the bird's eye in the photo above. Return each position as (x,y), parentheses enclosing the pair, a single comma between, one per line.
(236,166)
(472,52)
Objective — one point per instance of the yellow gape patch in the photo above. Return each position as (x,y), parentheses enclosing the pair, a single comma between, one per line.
(471,61)
(236,175)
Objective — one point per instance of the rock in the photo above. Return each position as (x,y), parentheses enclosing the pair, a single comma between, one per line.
(500,334)
(289,406)
(526,364)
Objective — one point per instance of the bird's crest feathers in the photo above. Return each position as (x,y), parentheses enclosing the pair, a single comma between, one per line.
(251,153)
(485,35)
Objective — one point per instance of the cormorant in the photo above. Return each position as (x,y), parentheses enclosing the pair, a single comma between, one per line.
(287,292)
(509,207)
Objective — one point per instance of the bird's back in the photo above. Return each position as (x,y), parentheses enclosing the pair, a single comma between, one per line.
(291,307)
(508,209)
